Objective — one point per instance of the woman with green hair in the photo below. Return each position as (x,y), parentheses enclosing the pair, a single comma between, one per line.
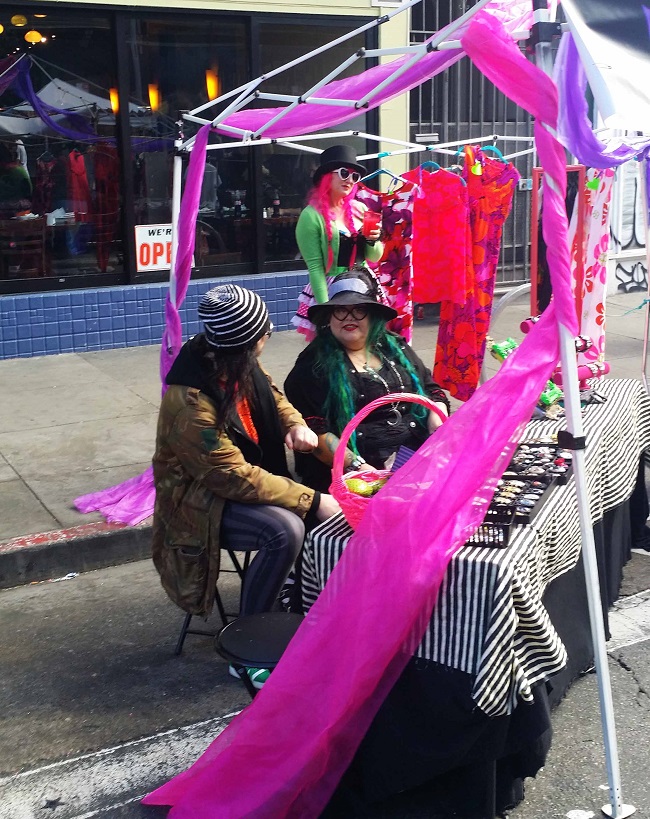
(353,360)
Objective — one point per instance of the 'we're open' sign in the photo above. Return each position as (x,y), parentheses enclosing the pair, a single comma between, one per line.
(153,247)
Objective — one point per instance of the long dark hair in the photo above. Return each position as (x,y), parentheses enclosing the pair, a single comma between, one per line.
(330,361)
(229,376)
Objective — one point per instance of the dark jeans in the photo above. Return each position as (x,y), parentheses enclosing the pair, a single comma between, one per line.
(276,535)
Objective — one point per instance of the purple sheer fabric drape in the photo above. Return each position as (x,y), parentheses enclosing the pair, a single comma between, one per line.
(8,72)
(82,130)
(283,755)
(18,78)
(575,131)
(173,332)
(133,501)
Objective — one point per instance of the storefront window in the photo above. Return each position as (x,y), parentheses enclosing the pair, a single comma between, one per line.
(60,199)
(287,172)
(177,65)
(87,125)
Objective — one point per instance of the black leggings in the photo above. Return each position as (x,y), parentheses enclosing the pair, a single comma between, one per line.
(276,535)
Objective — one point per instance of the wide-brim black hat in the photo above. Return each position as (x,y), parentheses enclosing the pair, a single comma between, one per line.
(337,156)
(347,292)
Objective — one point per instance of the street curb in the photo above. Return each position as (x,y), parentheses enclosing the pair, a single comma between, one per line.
(50,555)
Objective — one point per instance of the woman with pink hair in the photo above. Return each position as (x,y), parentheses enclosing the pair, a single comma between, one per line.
(329,230)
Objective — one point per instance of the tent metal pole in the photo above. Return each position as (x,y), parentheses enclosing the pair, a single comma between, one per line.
(570,383)
(332,44)
(645,193)
(428,47)
(177,179)
(15,63)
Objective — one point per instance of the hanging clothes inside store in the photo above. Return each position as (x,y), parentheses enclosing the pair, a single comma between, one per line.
(462,333)
(394,269)
(44,183)
(79,202)
(107,201)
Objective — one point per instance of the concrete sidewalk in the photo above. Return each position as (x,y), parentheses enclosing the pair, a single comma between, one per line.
(76,423)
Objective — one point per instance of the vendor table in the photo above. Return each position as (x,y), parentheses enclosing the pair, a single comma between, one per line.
(489,621)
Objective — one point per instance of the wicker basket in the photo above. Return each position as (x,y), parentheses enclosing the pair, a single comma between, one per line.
(352,505)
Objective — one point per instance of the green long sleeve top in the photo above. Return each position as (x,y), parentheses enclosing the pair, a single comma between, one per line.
(311,237)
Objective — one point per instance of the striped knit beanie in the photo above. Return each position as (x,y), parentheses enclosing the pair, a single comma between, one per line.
(233,318)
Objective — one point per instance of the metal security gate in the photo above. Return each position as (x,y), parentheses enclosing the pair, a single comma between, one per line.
(460,104)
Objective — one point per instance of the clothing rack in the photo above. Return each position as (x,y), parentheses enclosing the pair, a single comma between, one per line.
(297,144)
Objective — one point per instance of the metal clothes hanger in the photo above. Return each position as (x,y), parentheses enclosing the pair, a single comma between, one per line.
(380,171)
(494,150)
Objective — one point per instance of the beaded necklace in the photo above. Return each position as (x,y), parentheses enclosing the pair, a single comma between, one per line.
(395,415)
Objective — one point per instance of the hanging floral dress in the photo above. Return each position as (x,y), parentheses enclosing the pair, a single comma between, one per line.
(394,269)
(463,329)
(590,292)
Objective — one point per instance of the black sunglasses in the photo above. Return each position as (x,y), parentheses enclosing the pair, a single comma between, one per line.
(346,173)
(269,332)
(357,313)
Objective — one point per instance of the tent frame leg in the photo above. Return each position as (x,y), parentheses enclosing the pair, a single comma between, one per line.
(571,386)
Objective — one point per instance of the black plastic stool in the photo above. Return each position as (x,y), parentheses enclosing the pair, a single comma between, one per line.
(256,641)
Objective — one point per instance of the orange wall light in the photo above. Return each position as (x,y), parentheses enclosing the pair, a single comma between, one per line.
(19,20)
(154,97)
(212,83)
(115,100)
(33,36)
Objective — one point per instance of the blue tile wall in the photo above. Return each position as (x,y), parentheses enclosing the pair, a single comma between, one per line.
(83,320)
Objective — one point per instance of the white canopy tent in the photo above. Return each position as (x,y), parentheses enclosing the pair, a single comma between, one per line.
(267,132)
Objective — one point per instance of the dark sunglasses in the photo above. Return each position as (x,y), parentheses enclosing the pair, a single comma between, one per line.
(346,173)
(269,332)
(357,313)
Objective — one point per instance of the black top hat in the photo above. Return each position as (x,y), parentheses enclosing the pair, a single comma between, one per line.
(357,287)
(337,156)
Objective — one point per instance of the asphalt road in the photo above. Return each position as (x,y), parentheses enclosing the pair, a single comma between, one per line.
(96,709)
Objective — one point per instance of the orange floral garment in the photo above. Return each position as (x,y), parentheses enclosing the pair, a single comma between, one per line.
(463,328)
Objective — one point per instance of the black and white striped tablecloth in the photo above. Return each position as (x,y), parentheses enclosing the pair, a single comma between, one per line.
(489,620)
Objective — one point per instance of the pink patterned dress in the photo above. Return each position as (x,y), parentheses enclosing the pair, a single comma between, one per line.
(394,270)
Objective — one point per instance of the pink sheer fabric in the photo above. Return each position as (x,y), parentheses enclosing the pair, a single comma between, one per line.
(515,14)
(283,755)
(133,500)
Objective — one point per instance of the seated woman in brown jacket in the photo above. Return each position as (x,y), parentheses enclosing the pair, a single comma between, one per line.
(220,469)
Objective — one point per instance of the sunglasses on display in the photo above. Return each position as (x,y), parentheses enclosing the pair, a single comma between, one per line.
(355,313)
(346,173)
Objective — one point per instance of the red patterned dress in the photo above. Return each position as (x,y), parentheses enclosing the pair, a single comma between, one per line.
(442,241)
(463,329)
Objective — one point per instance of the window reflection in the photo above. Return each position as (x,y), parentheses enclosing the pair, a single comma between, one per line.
(60,198)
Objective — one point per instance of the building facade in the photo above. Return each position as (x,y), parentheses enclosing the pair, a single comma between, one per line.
(86,132)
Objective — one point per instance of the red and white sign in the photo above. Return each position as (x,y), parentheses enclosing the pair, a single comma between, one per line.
(153,247)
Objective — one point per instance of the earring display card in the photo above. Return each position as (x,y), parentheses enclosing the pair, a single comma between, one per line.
(535,469)
(536,460)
